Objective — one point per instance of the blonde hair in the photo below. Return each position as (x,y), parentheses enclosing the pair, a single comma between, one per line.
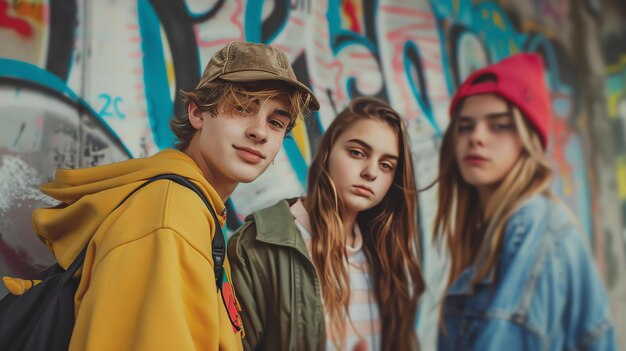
(220,94)
(389,229)
(458,217)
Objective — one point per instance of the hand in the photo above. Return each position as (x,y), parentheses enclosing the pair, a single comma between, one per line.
(360,346)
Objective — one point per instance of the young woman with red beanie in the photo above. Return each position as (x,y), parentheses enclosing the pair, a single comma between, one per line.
(521,276)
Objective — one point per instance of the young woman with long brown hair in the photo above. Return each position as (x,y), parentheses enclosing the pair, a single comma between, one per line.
(340,268)
(521,275)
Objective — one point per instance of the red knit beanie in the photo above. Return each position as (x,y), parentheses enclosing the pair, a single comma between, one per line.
(519,79)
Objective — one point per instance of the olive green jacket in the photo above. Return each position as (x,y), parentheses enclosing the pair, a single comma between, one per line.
(276,283)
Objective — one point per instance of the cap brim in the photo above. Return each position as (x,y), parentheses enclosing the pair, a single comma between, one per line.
(256,76)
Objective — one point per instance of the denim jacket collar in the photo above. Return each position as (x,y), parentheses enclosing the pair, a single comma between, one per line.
(463,284)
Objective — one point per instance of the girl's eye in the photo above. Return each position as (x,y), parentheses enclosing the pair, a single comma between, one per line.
(503,126)
(386,166)
(463,128)
(356,153)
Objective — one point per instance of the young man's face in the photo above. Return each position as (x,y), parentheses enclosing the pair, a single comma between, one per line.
(238,146)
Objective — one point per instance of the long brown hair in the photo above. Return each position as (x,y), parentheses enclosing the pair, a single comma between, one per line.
(389,229)
(473,235)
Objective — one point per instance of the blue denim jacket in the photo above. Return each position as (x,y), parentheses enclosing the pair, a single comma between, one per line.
(545,294)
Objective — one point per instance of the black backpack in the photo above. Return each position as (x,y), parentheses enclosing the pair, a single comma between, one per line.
(43,317)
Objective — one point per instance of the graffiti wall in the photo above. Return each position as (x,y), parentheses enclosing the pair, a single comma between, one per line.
(86,83)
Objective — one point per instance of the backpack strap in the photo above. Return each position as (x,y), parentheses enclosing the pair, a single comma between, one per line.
(219,244)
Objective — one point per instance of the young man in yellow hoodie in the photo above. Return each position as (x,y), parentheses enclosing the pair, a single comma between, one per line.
(147,282)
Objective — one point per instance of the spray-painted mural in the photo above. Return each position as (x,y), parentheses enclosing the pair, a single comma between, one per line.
(85,83)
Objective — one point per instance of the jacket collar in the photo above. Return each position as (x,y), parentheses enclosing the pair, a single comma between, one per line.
(276,225)
(463,284)
(532,210)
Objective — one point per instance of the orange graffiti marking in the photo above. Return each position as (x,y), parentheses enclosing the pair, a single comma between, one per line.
(31,9)
(562,134)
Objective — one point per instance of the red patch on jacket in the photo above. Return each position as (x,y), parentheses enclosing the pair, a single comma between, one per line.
(231,306)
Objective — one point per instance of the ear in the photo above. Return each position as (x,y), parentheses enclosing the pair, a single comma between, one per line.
(196,116)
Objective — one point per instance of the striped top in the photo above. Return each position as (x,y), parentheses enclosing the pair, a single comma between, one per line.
(363,310)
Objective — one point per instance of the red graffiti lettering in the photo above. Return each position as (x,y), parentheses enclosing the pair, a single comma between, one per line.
(350,11)
(22,27)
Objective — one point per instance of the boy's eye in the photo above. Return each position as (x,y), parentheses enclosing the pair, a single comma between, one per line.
(276,123)
(242,109)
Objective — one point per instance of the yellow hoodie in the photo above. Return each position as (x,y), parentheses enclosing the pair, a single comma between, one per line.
(147,282)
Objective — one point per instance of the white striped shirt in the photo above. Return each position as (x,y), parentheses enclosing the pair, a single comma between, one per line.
(363,309)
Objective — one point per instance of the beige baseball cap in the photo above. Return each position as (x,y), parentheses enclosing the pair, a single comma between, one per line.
(242,62)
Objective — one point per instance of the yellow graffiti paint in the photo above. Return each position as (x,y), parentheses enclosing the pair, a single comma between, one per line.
(169,67)
(617,67)
(498,21)
(613,105)
(621,176)
(302,140)
(485,14)
(169,62)
(513,47)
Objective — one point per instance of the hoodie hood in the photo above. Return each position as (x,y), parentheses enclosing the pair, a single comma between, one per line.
(89,195)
